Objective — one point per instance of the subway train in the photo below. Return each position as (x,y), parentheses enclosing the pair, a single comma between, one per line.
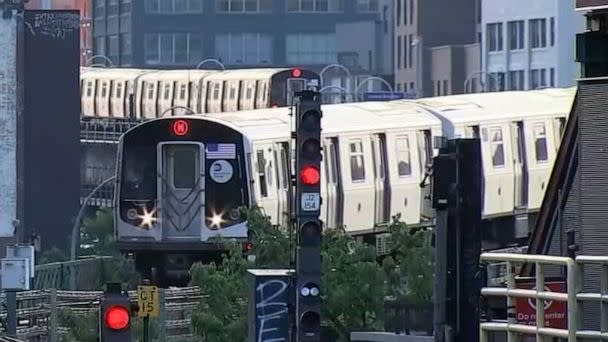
(181,180)
(140,94)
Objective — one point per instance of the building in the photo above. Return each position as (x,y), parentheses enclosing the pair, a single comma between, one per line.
(248,33)
(433,30)
(86,30)
(529,44)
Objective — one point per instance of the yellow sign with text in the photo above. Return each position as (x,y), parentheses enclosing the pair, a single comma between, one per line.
(147,299)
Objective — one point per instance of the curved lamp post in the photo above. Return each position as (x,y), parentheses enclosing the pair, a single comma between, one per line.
(373,78)
(76,227)
(211,60)
(483,84)
(104,57)
(338,88)
(188,109)
(335,65)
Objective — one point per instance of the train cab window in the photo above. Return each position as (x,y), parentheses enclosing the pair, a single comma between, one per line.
(357,164)
(184,167)
(216,91)
(540,142)
(89,89)
(497,147)
(404,165)
(182,92)
(262,173)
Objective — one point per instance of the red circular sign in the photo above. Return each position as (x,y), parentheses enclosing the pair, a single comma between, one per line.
(180,127)
(296,73)
(117,317)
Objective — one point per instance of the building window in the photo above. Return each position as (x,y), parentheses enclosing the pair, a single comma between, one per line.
(552,77)
(411,12)
(314,6)
(412,87)
(495,37)
(399,52)
(538,78)
(404,165)
(516,35)
(125,48)
(244,48)
(406,50)
(367,5)
(398,12)
(438,89)
(538,33)
(311,48)
(516,80)
(100,45)
(497,81)
(552,31)
(497,148)
(243,6)
(357,165)
(445,87)
(410,50)
(405,11)
(540,138)
(113,49)
(173,6)
(172,48)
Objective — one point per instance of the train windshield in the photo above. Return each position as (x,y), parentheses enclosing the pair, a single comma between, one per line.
(139,174)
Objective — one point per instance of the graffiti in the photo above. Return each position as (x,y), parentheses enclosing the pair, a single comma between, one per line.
(55,25)
(271,311)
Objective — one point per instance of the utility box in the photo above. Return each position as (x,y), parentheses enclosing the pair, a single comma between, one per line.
(270,300)
(22,251)
(15,273)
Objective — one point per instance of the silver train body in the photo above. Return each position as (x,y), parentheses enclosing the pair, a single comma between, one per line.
(375,156)
(141,94)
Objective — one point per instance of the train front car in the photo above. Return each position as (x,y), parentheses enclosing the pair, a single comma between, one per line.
(181,182)
(286,82)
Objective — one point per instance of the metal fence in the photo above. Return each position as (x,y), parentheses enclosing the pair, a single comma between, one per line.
(573,296)
(52,315)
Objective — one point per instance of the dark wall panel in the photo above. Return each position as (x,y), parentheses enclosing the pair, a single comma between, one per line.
(51,125)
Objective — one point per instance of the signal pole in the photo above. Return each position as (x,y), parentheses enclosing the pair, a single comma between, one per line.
(307,209)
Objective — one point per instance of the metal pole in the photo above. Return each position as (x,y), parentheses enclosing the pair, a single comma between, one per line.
(439,287)
(146,328)
(11,313)
(76,226)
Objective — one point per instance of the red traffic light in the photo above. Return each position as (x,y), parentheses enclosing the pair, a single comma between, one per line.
(310,175)
(117,317)
(180,127)
(296,73)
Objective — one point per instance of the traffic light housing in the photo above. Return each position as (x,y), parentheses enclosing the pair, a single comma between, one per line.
(115,315)
(308,205)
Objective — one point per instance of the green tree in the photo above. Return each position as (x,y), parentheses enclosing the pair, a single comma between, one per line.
(97,234)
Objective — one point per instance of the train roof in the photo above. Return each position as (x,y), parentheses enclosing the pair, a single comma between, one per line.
(337,119)
(498,106)
(232,74)
(172,74)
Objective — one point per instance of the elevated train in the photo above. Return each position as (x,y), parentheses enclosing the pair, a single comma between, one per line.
(140,94)
(181,179)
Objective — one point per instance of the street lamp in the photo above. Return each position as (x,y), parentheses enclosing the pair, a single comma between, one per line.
(338,88)
(483,83)
(374,78)
(188,110)
(334,66)
(211,60)
(417,43)
(90,59)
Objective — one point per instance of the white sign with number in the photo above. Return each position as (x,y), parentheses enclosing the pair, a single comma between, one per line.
(311,201)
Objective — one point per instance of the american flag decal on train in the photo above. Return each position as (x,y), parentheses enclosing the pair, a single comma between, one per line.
(221,151)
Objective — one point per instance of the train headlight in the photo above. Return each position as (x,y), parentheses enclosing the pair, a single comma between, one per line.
(147,219)
(216,220)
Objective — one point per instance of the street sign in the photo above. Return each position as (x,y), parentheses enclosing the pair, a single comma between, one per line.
(555,311)
(385,96)
(147,299)
(311,202)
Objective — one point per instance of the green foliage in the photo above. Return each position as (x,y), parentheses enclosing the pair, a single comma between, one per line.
(52,255)
(97,234)
(82,327)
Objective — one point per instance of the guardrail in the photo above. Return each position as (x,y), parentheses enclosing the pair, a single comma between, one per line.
(574,297)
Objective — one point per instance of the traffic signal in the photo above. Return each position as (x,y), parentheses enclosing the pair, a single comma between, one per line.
(115,325)
(308,205)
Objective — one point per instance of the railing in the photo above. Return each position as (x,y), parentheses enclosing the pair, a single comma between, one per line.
(574,297)
(104,131)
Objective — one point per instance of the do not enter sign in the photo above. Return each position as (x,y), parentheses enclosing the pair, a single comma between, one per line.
(555,311)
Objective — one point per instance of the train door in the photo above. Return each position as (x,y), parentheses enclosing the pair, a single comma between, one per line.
(181,97)
(405,176)
(333,189)
(498,172)
(128,105)
(559,125)
(103,99)
(266,183)
(358,184)
(214,97)
(248,96)
(117,100)
(149,100)
(282,164)
(261,99)
(294,85)
(181,189)
(232,98)
(381,179)
(425,153)
(520,176)
(540,159)
(165,102)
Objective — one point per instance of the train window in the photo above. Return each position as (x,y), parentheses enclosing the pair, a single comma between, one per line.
(216,91)
(184,167)
(333,157)
(404,165)
(89,89)
(150,91)
(232,93)
(167,91)
(262,173)
(540,142)
(182,92)
(118,91)
(249,92)
(497,148)
(285,165)
(264,87)
(104,89)
(357,165)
